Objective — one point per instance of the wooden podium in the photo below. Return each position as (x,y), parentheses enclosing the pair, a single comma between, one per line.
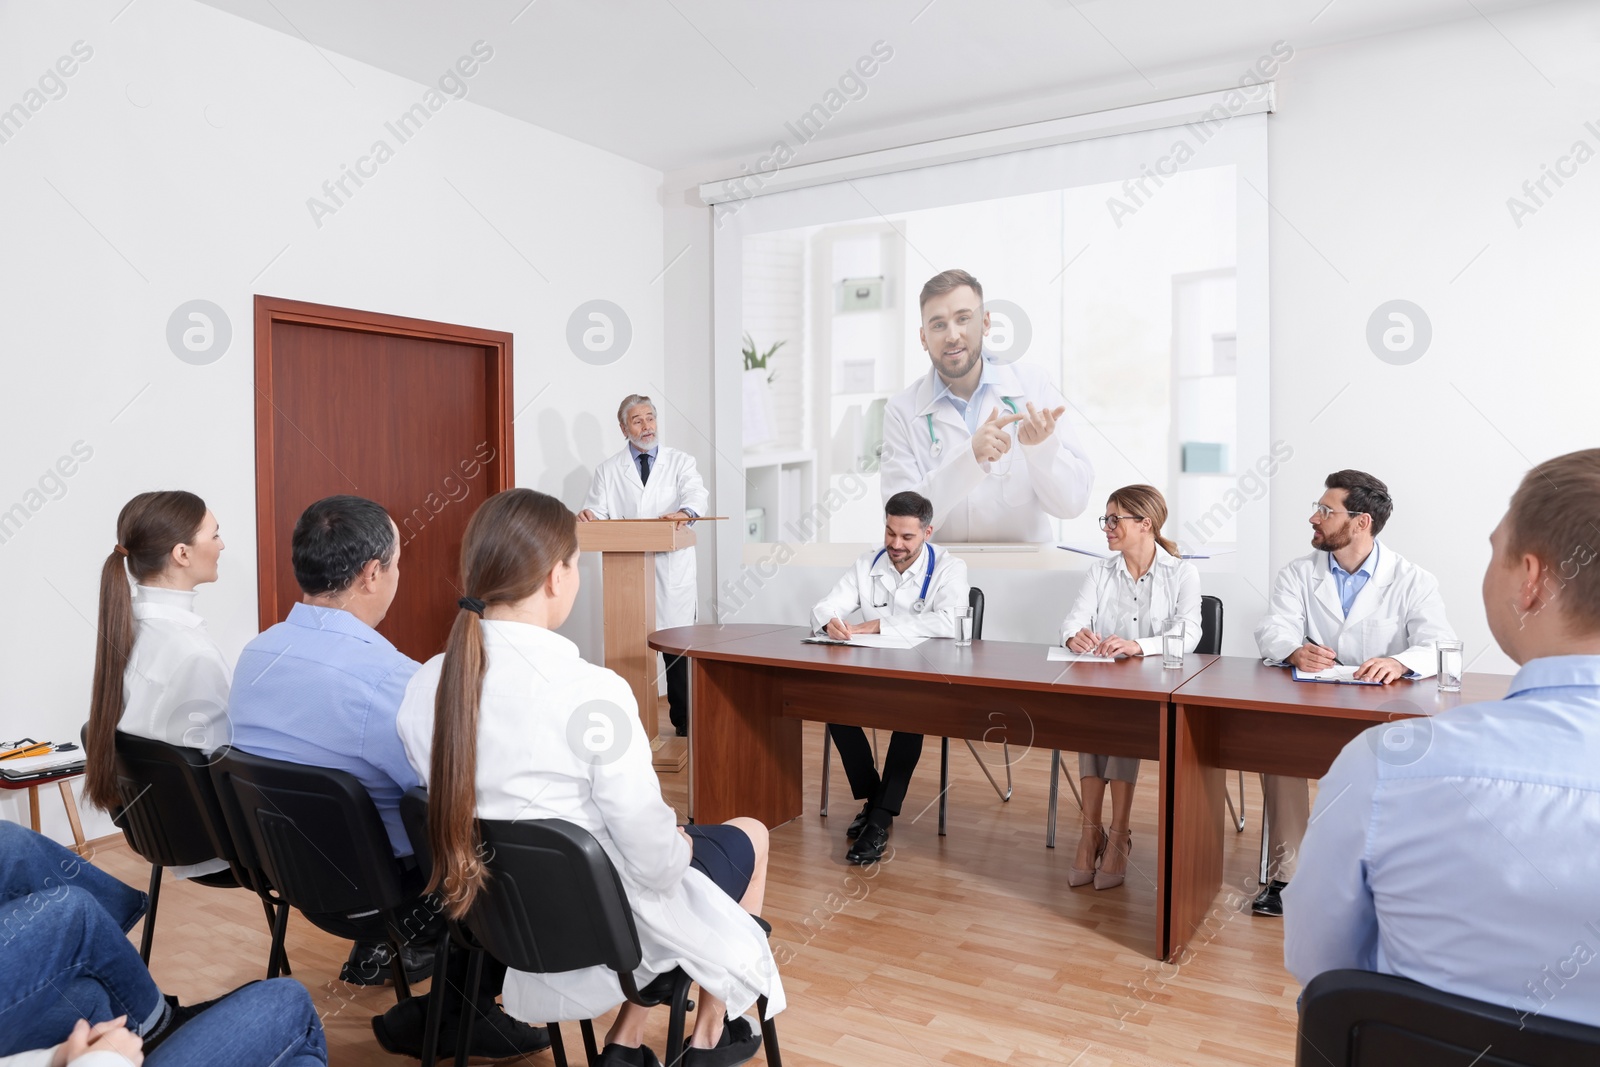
(628,573)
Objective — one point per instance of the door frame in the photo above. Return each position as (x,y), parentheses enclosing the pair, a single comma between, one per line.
(270,310)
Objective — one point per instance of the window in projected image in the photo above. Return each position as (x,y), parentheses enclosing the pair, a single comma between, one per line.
(1130,315)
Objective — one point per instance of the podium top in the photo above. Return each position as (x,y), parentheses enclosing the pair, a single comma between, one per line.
(633,535)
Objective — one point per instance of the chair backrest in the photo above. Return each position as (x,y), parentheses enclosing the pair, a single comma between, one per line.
(1210,626)
(975,602)
(168,808)
(313,832)
(553,901)
(1362,1019)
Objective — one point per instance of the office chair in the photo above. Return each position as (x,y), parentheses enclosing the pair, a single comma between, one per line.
(1365,1019)
(1210,645)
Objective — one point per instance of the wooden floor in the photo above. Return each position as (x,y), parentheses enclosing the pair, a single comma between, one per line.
(967,949)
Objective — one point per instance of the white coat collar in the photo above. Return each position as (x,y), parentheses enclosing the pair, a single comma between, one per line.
(882,568)
(174,605)
(1003,376)
(527,637)
(1163,560)
(1327,587)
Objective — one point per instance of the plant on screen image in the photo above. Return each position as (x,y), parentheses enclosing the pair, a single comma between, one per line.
(756,360)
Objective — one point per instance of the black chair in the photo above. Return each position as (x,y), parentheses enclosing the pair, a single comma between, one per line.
(975,602)
(168,812)
(554,903)
(314,835)
(1363,1019)
(1210,645)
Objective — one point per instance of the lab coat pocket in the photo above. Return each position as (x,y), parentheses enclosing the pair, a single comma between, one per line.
(1381,637)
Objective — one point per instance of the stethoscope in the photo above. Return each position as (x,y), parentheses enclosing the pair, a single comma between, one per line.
(922,600)
(933,436)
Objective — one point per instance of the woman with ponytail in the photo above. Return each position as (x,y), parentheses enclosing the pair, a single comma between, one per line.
(157,673)
(1126,603)
(511,723)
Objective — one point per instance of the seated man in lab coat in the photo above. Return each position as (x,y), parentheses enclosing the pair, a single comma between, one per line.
(983,438)
(910,588)
(647,480)
(1353,601)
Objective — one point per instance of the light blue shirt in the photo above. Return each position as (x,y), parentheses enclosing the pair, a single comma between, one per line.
(322,688)
(1459,850)
(1351,584)
(972,411)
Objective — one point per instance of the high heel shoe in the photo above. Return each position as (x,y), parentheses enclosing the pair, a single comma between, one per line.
(1102,880)
(1077,876)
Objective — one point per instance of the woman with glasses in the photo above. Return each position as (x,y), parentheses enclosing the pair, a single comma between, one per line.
(1125,605)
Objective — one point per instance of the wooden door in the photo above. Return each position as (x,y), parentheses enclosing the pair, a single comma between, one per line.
(415,415)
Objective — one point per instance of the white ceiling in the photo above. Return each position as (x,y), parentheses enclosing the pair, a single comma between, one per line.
(672,83)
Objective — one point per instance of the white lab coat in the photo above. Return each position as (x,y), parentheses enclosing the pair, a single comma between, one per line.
(1398,613)
(1008,500)
(617,493)
(1108,602)
(875,589)
(175,688)
(530,767)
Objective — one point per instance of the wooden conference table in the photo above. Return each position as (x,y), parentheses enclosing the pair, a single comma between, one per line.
(753,684)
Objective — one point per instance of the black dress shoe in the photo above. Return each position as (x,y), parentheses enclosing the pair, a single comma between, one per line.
(495,1034)
(1270,900)
(869,846)
(738,1043)
(369,963)
(859,823)
(622,1056)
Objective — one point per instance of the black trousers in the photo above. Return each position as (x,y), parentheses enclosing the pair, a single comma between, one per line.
(888,790)
(678,691)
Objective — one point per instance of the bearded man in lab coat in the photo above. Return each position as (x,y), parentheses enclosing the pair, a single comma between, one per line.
(985,440)
(647,480)
(1353,601)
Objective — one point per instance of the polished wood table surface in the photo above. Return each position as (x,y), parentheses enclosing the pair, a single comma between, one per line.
(1239,714)
(753,684)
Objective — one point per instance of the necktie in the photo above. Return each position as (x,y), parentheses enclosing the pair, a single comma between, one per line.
(644,467)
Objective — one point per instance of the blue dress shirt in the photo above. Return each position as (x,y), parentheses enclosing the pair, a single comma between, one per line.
(1458,850)
(322,688)
(1351,584)
(971,411)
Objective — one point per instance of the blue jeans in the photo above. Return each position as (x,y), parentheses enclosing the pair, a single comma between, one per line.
(32,863)
(265,1024)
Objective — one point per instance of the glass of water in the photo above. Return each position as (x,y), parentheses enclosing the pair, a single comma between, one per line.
(1172,648)
(964,627)
(1450,666)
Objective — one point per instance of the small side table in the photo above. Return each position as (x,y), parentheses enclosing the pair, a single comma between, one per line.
(64,782)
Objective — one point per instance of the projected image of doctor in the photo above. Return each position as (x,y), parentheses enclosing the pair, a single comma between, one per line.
(985,440)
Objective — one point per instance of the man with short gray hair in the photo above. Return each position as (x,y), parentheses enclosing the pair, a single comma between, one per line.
(647,480)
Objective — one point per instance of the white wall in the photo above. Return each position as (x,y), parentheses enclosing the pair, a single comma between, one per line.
(1392,159)
(177,166)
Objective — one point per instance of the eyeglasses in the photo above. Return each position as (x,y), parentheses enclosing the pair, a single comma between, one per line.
(1109,522)
(1322,511)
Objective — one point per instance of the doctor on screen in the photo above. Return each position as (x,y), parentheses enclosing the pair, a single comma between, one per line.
(647,480)
(984,440)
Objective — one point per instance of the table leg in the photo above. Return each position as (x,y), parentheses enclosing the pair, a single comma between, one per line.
(33,807)
(745,755)
(1195,821)
(72,815)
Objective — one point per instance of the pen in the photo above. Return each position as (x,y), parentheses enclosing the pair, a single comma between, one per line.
(22,751)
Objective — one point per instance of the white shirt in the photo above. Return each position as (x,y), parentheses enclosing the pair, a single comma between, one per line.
(1398,613)
(1458,850)
(617,492)
(875,589)
(1110,602)
(534,721)
(175,688)
(1008,500)
(44,1057)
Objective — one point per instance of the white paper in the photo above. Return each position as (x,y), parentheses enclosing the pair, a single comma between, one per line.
(1064,655)
(885,641)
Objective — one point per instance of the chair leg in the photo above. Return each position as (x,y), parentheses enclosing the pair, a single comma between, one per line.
(280,928)
(1237,816)
(469,1010)
(590,1049)
(827,767)
(397,968)
(558,1048)
(769,1035)
(272,922)
(436,994)
(944,781)
(1265,872)
(680,999)
(1003,794)
(147,938)
(1055,791)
